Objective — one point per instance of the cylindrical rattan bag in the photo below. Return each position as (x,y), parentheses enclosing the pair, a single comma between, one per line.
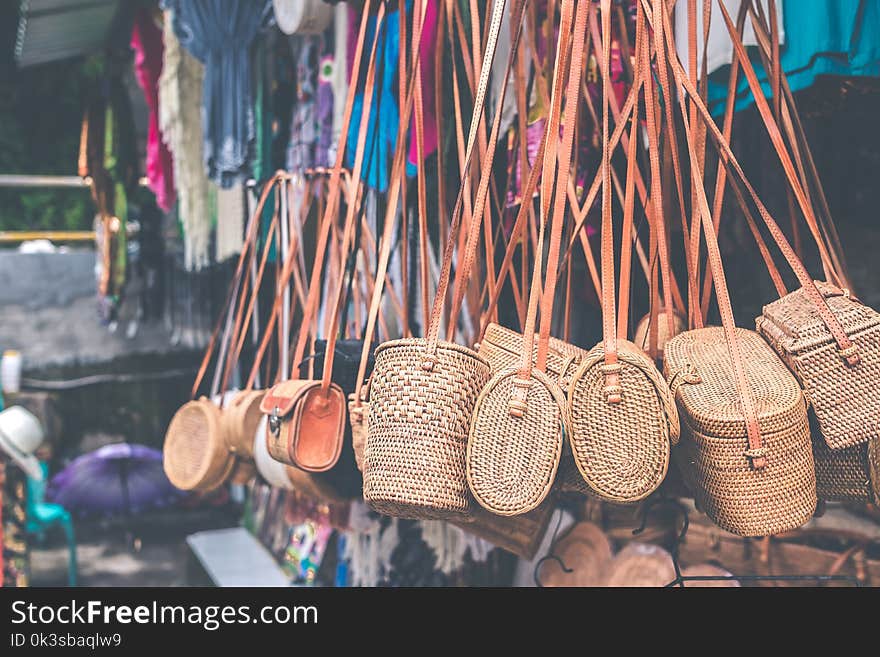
(240,419)
(716,459)
(516,433)
(423,390)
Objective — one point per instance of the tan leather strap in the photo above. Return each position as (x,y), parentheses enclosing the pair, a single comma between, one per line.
(554,158)
(848,351)
(330,210)
(756,452)
(445,270)
(250,238)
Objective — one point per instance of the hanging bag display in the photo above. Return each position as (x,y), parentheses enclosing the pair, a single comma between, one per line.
(307,418)
(516,433)
(837,361)
(423,390)
(196,452)
(622,414)
(745,446)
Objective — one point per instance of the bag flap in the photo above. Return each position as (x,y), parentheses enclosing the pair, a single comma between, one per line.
(284,395)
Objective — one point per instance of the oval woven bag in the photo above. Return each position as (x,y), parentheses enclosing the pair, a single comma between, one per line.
(516,434)
(622,415)
(851,474)
(622,449)
(195,456)
(738,497)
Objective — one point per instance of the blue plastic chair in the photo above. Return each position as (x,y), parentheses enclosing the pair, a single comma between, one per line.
(42,516)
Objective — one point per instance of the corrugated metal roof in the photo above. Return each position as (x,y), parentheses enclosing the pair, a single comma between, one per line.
(56,29)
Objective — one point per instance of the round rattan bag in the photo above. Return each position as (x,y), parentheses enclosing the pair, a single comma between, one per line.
(642,338)
(513,453)
(417,428)
(195,455)
(622,449)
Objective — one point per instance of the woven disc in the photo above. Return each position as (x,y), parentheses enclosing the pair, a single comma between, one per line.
(194,455)
(512,460)
(622,449)
(642,338)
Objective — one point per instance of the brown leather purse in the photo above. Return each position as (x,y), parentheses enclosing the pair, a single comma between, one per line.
(306,424)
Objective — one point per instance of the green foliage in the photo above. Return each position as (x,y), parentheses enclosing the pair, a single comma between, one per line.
(40,118)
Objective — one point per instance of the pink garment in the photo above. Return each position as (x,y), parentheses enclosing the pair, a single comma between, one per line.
(427,48)
(146,40)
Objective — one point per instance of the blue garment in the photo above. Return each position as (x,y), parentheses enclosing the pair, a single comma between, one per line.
(219,33)
(384,118)
(822,37)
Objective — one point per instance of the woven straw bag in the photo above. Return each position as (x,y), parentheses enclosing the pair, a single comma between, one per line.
(642,335)
(843,396)
(240,419)
(520,535)
(195,456)
(423,390)
(623,417)
(520,418)
(851,474)
(715,461)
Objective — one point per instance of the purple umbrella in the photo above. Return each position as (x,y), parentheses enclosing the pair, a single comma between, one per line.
(118,479)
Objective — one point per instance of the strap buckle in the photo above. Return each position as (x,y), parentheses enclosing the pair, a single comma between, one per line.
(275,422)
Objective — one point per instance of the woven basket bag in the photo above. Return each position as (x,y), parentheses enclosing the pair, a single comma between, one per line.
(851,474)
(520,418)
(423,390)
(240,419)
(738,497)
(642,338)
(844,397)
(622,450)
(520,535)
(195,456)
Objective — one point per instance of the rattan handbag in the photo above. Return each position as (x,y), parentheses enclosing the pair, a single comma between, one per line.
(516,433)
(715,445)
(851,474)
(520,535)
(195,455)
(423,390)
(843,396)
(622,414)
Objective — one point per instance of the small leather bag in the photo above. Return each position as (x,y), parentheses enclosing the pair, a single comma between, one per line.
(516,431)
(306,424)
(623,417)
(307,418)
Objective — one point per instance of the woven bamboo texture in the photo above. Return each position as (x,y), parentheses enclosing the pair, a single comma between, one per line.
(195,456)
(502,348)
(843,397)
(621,450)
(357,417)
(520,535)
(418,424)
(845,475)
(512,460)
(738,498)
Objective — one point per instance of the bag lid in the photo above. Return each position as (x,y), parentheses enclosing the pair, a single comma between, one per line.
(798,321)
(698,367)
(282,397)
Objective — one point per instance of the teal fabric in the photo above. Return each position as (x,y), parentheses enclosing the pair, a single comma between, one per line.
(42,516)
(822,37)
